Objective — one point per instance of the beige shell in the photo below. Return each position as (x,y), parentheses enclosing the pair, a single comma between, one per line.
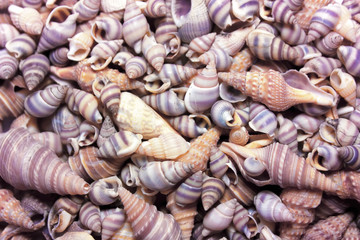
(26,19)
(80,46)
(344,84)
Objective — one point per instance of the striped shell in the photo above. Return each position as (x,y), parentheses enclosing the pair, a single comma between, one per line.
(104,191)
(136,67)
(349,56)
(102,54)
(110,97)
(58,57)
(190,190)
(8,65)
(219,12)
(89,216)
(21,46)
(112,220)
(34,69)
(87,9)
(80,46)
(106,28)
(7,33)
(154,52)
(26,19)
(212,191)
(245,10)
(344,84)
(190,125)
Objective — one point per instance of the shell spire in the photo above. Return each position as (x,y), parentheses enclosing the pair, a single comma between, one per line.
(147,222)
(273,89)
(36,166)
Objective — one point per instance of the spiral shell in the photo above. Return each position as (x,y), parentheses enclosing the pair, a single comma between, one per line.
(245,10)
(293,34)
(321,66)
(84,103)
(112,220)
(190,125)
(190,190)
(352,231)
(212,191)
(344,84)
(110,97)
(307,123)
(56,33)
(134,19)
(152,228)
(26,19)
(8,65)
(162,176)
(282,13)
(43,103)
(219,218)
(262,119)
(48,166)
(80,46)
(199,152)
(58,57)
(348,56)
(305,52)
(200,45)
(66,124)
(219,56)
(51,140)
(87,9)
(219,12)
(218,162)
(136,67)
(287,133)
(329,43)
(89,216)
(324,158)
(102,54)
(21,46)
(287,94)
(7,33)
(242,60)
(239,135)
(106,28)
(350,156)
(34,69)
(154,52)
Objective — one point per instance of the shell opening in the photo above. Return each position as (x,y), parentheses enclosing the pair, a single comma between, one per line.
(179,10)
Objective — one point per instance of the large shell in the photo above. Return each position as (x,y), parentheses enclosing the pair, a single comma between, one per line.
(199,152)
(80,46)
(26,19)
(87,9)
(8,65)
(43,103)
(21,46)
(34,69)
(151,227)
(347,184)
(51,140)
(278,92)
(38,171)
(162,176)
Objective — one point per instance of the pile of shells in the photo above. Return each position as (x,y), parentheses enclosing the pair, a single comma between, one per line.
(179,119)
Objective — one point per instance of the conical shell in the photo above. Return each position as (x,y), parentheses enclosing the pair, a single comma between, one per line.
(348,55)
(112,221)
(106,28)
(219,12)
(329,43)
(219,162)
(154,52)
(34,69)
(26,19)
(87,9)
(352,232)
(8,32)
(136,67)
(58,57)
(8,65)
(183,215)
(66,124)
(107,129)
(287,133)
(350,156)
(150,227)
(212,191)
(199,152)
(346,184)
(190,125)
(190,190)
(162,176)
(200,45)
(89,216)
(105,190)
(271,89)
(43,166)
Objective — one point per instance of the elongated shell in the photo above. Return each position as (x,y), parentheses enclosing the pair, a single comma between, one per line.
(8,65)
(272,89)
(66,124)
(162,176)
(218,162)
(199,152)
(7,33)
(262,119)
(87,9)
(344,84)
(310,178)
(148,123)
(219,218)
(80,46)
(154,52)
(43,103)
(349,56)
(26,19)
(212,191)
(112,221)
(190,125)
(151,227)
(200,45)
(21,46)
(34,69)
(190,190)
(39,170)
(287,133)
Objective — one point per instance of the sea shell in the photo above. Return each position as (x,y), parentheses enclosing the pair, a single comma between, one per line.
(203,91)
(7,32)
(122,57)
(262,119)
(255,84)
(334,17)
(350,156)
(337,224)
(134,19)
(239,135)
(264,157)
(199,152)
(219,56)
(49,166)
(107,129)
(293,34)
(305,52)
(287,133)
(321,66)
(151,227)
(89,216)
(344,84)
(154,52)
(346,184)
(218,162)
(219,12)
(190,190)
(51,140)
(245,10)
(149,123)
(88,134)
(60,25)
(87,9)
(112,220)
(162,176)
(219,218)
(200,45)
(76,236)
(43,103)
(190,125)
(106,28)
(242,60)
(212,191)
(306,123)
(193,20)
(270,207)
(352,232)
(102,54)
(130,176)
(331,205)
(26,19)
(34,69)
(58,57)
(104,191)
(223,114)
(348,56)
(8,65)
(155,8)
(110,97)
(80,46)
(328,44)
(21,46)
(325,158)
(136,67)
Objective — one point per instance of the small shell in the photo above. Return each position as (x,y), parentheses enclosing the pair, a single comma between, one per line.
(21,46)
(287,133)
(34,69)
(344,84)
(219,12)
(105,191)
(109,6)
(241,218)
(8,65)
(76,236)
(242,60)
(223,114)
(45,102)
(170,103)
(154,53)
(321,66)
(218,55)
(212,190)
(245,10)
(349,56)
(112,222)
(306,123)
(305,52)
(190,125)
(166,146)
(7,33)
(26,19)
(262,119)
(134,19)
(218,162)
(106,29)
(103,52)
(329,43)
(110,97)
(136,67)
(66,124)
(89,216)
(107,129)
(80,46)
(190,190)
(155,8)
(271,208)
(230,94)
(282,13)
(346,131)
(58,57)
(119,145)
(219,218)
(239,135)
(293,34)
(130,175)
(87,9)
(88,134)
(325,158)
(200,45)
